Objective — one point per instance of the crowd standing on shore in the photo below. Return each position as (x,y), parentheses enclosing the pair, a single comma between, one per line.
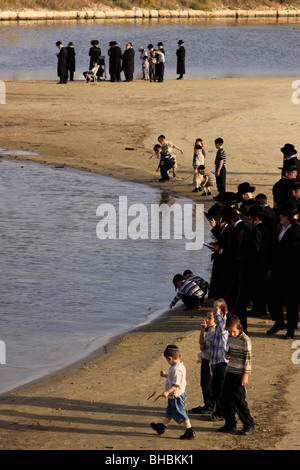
(153,62)
(255,270)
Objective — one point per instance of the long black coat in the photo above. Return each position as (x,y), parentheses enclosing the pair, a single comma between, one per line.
(263,242)
(71,61)
(115,57)
(62,67)
(128,63)
(237,259)
(284,279)
(218,280)
(95,54)
(180,60)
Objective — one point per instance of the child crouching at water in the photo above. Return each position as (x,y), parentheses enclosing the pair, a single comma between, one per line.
(175,392)
(236,378)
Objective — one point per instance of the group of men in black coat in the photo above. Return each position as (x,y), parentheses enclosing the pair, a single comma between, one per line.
(117,61)
(256,256)
(66,62)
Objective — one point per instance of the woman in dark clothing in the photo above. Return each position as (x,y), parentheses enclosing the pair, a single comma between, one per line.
(180,60)
(71,61)
(94,53)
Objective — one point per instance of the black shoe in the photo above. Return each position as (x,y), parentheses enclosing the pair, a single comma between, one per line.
(289,334)
(158,427)
(275,328)
(195,190)
(248,429)
(199,410)
(189,434)
(227,428)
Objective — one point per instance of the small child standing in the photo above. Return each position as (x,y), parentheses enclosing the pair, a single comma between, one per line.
(175,392)
(218,360)
(198,159)
(205,339)
(220,166)
(236,378)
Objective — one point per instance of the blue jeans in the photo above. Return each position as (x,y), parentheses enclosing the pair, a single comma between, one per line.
(176,409)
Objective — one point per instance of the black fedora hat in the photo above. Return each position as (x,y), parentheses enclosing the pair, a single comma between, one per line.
(213,210)
(245,188)
(229,198)
(289,165)
(94,42)
(257,210)
(289,208)
(227,213)
(288,150)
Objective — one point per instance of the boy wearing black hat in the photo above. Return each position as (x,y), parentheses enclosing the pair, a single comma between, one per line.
(62,67)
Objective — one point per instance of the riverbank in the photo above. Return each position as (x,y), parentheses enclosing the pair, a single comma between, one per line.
(110,129)
(138,13)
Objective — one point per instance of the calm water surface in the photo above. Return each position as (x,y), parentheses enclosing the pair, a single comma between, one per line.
(215,48)
(63,291)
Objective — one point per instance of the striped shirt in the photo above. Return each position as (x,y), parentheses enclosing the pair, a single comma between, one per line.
(221,155)
(211,177)
(188,287)
(219,344)
(240,350)
(166,157)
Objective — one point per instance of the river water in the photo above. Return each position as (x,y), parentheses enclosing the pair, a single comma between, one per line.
(65,292)
(215,47)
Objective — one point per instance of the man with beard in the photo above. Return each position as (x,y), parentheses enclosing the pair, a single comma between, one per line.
(115,57)
(128,62)
(62,66)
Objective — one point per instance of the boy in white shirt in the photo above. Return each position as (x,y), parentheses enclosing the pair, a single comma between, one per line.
(175,392)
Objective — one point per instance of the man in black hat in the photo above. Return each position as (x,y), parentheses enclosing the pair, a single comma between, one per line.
(220,230)
(94,53)
(245,192)
(237,259)
(180,60)
(270,218)
(290,155)
(115,58)
(128,62)
(261,258)
(71,61)
(284,272)
(62,67)
(280,189)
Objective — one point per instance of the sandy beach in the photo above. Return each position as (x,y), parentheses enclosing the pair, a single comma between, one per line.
(110,129)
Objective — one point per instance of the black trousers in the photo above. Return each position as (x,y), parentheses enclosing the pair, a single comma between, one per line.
(221,180)
(292,314)
(206,385)
(218,379)
(164,170)
(234,400)
(191,301)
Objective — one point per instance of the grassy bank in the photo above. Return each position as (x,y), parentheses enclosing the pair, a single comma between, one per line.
(208,5)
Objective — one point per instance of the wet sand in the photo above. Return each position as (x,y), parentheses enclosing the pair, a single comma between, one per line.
(110,129)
